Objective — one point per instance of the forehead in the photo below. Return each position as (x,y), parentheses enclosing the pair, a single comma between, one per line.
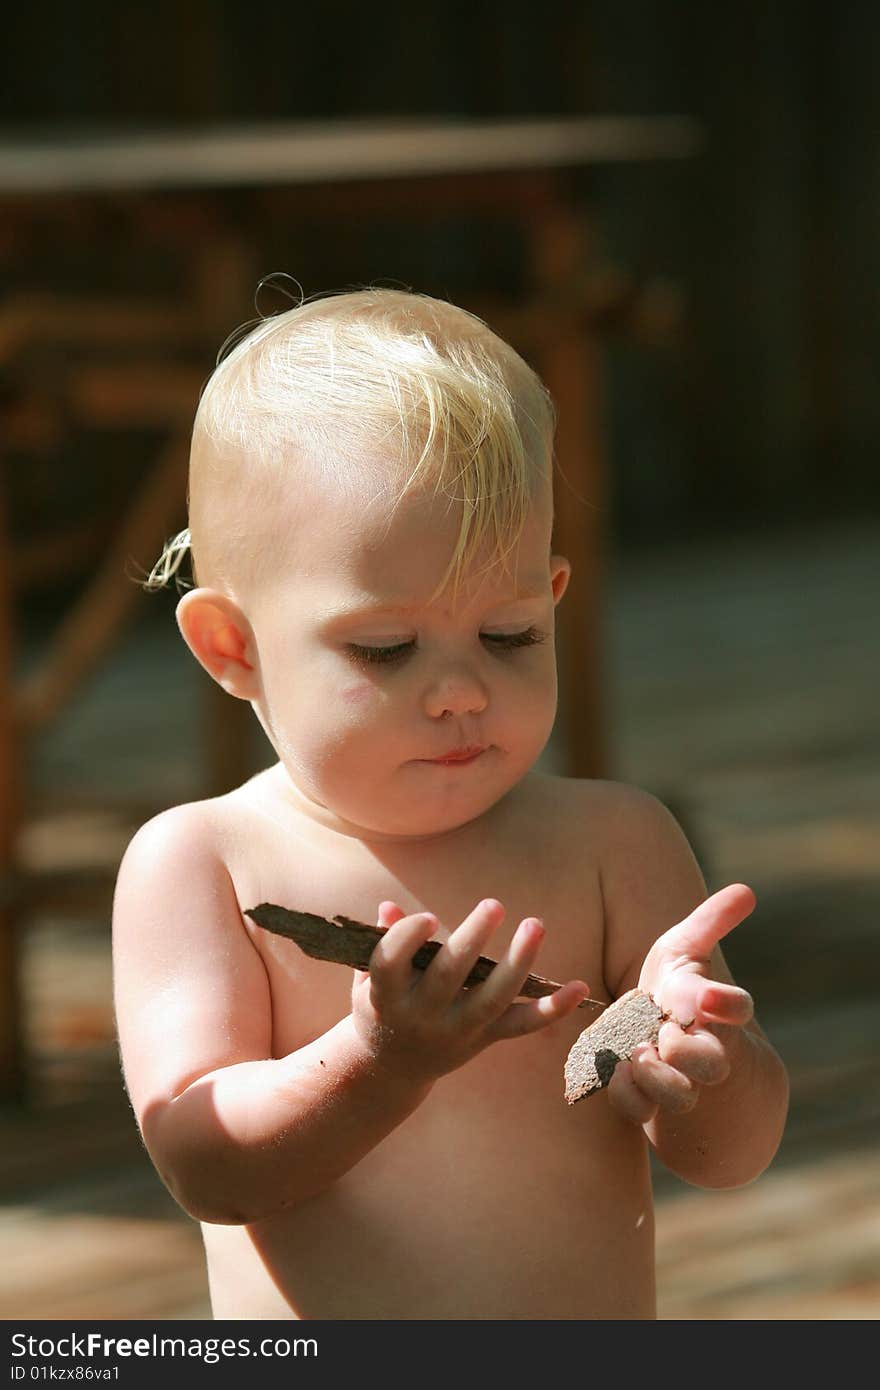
(361,550)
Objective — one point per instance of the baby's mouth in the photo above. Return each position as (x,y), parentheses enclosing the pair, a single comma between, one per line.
(456,757)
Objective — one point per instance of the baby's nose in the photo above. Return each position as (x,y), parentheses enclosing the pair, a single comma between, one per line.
(458,693)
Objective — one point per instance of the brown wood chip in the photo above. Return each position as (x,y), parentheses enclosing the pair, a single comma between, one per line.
(352,943)
(631,1019)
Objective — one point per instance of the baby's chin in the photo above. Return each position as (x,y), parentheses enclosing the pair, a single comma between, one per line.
(419,800)
(432,818)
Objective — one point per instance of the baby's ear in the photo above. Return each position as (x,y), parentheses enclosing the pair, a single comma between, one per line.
(221,639)
(560,573)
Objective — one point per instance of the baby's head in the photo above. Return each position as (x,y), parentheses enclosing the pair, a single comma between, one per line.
(370,507)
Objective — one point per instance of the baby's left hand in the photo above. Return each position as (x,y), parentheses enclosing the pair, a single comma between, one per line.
(668,1076)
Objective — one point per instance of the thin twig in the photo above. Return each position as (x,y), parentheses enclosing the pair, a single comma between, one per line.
(352,943)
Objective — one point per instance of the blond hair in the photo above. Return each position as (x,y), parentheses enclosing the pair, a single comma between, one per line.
(415,382)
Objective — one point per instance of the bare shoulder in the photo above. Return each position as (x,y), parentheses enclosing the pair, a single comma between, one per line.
(549,792)
(177,829)
(611,810)
(174,891)
(188,836)
(631,816)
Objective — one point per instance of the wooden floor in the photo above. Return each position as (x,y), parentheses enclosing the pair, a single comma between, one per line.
(742,689)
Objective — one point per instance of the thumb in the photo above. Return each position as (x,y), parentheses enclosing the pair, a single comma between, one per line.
(699,933)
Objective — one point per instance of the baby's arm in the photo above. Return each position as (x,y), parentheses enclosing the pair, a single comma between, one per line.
(712,1097)
(234,1133)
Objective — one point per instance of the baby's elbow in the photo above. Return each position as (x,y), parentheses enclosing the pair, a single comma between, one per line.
(212,1193)
(213,1209)
(195,1193)
(218,1210)
(723,1178)
(196,1169)
(214,1179)
(218,1215)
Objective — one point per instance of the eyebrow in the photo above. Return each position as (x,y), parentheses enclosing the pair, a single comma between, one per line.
(367,610)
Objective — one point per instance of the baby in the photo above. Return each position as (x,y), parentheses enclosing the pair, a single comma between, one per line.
(370,509)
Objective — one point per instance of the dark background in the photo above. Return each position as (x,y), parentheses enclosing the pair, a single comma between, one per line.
(768,413)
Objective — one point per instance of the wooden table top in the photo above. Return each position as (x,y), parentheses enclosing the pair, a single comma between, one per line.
(49,161)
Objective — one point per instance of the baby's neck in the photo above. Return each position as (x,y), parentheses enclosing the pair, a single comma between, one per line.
(292,800)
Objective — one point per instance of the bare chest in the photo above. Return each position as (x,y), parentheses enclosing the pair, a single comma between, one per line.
(495,1137)
(532,861)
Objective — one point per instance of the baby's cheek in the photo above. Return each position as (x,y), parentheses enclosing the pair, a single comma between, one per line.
(358,695)
(359,709)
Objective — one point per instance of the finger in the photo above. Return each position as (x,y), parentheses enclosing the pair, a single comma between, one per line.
(486,1001)
(667,1088)
(451,966)
(389,913)
(627,1098)
(708,924)
(722,1003)
(391,968)
(697,1054)
(519,1019)
(689,998)
(507,979)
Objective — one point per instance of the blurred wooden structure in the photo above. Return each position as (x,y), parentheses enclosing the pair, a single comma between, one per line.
(107,370)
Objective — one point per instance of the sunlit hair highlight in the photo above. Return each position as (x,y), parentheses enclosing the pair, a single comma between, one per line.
(421,392)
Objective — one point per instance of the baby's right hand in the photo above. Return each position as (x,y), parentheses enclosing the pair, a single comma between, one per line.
(422,1024)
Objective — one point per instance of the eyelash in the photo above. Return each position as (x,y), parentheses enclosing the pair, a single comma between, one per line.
(503,641)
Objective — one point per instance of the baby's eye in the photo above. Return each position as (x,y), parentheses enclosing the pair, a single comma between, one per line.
(508,640)
(499,641)
(379,654)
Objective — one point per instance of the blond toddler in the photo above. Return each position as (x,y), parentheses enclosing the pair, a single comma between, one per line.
(370,513)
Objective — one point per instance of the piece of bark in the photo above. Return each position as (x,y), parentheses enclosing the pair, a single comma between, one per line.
(345,942)
(632,1019)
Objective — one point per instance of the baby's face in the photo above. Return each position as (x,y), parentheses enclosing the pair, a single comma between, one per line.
(366,686)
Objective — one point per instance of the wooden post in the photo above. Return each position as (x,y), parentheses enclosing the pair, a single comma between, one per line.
(570,366)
